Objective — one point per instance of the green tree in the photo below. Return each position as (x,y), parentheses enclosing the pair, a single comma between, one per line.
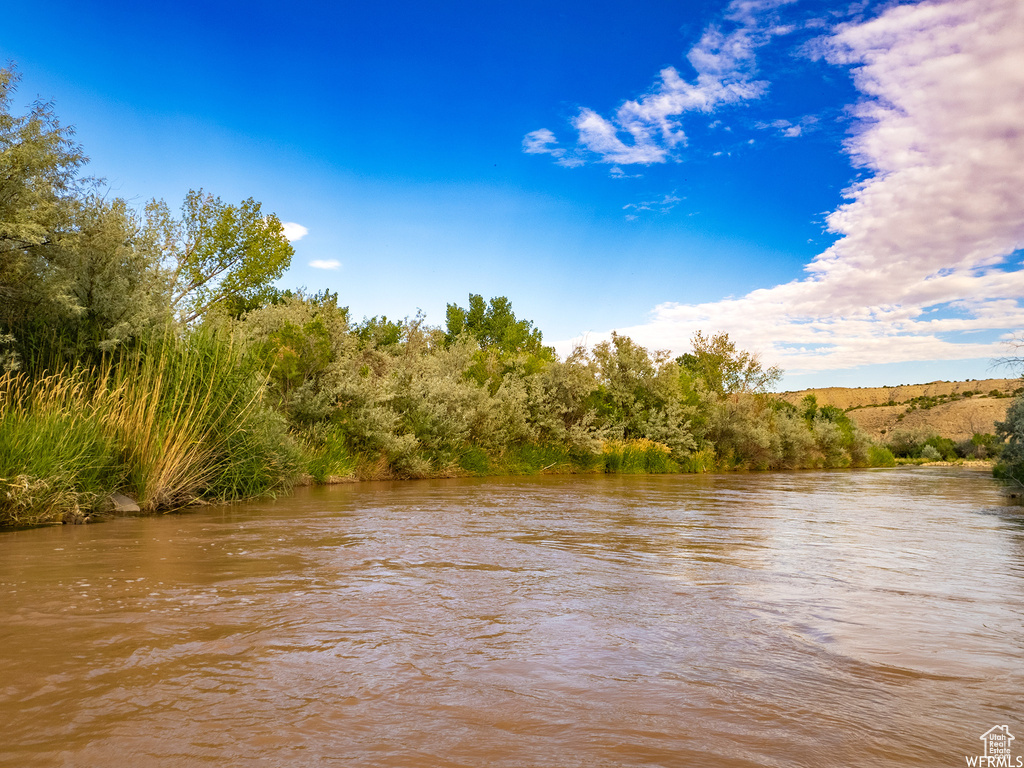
(217,253)
(380,333)
(725,370)
(1011,464)
(494,326)
(106,268)
(39,165)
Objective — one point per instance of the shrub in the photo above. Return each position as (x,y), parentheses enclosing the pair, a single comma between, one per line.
(797,447)
(830,440)
(980,446)
(945,447)
(880,456)
(908,443)
(1011,463)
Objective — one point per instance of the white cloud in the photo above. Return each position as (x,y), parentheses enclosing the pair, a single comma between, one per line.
(662,205)
(539,143)
(790,129)
(617,173)
(294,231)
(325,264)
(941,129)
(647,130)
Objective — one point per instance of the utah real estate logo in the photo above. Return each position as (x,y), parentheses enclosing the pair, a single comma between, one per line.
(997,750)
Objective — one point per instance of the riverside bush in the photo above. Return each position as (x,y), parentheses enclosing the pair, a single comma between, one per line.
(188,414)
(640,456)
(1011,460)
(880,456)
(57,458)
(980,446)
(178,418)
(410,400)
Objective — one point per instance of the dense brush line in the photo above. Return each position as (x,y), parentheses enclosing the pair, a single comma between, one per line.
(148,352)
(246,405)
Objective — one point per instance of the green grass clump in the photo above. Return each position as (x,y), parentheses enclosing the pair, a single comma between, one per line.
(699,462)
(57,459)
(532,459)
(633,457)
(176,419)
(326,453)
(475,461)
(189,417)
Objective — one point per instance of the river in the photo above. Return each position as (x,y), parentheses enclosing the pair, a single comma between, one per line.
(857,618)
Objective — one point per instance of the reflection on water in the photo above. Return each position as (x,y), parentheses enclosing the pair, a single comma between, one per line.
(826,618)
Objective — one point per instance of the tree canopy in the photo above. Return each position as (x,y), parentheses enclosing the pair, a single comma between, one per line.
(725,370)
(494,327)
(39,164)
(89,267)
(216,252)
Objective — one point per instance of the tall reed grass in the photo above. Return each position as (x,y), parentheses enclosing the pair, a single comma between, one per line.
(173,420)
(641,456)
(57,459)
(188,415)
(326,453)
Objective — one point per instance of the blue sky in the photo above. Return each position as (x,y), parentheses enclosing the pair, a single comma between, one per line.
(840,186)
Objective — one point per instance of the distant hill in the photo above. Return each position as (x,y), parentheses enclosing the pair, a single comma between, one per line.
(953,409)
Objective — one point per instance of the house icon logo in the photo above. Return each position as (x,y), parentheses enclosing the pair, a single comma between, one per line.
(997,750)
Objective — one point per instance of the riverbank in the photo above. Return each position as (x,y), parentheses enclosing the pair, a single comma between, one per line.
(216,414)
(118,505)
(979,465)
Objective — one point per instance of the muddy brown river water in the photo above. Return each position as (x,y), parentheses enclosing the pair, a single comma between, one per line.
(867,618)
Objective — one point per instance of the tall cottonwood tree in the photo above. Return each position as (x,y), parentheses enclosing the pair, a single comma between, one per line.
(216,252)
(82,271)
(494,326)
(39,165)
(726,370)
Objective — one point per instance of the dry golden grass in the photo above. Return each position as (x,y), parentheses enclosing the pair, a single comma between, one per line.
(957,419)
(850,397)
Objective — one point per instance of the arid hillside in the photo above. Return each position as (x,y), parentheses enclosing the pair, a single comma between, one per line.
(953,409)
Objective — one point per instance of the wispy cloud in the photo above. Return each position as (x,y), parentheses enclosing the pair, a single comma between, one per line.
(928,245)
(790,130)
(617,173)
(294,231)
(649,129)
(325,264)
(661,205)
(542,142)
